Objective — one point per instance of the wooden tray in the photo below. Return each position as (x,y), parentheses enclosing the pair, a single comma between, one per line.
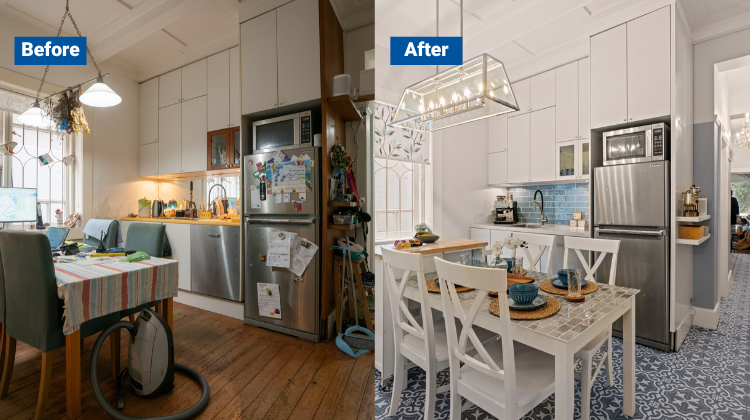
(514,279)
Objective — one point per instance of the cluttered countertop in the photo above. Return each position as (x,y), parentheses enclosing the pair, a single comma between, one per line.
(183,220)
(547,229)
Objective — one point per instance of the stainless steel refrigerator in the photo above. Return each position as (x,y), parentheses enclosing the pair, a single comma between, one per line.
(299,295)
(631,204)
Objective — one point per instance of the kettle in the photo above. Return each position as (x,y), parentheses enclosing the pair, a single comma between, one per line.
(157,208)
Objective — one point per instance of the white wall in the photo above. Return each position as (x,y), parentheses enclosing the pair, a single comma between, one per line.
(356,42)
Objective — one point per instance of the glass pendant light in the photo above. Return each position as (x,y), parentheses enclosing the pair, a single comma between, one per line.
(100,95)
(33,116)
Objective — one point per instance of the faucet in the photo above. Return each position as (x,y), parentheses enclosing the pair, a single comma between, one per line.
(541,206)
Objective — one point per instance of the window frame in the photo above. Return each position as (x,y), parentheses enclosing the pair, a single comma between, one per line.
(418,199)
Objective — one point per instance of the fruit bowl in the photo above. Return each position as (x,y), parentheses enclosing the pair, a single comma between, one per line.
(428,239)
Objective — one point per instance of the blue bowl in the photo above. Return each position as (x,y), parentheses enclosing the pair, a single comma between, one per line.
(523,293)
(563,276)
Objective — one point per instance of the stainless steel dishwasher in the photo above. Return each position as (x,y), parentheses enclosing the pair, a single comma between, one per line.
(215,261)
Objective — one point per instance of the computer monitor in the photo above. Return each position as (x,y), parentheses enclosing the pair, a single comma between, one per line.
(18,205)
(57,236)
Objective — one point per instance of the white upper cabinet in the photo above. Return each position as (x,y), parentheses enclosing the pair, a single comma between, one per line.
(566,100)
(194,80)
(259,63)
(218,91)
(170,88)
(518,148)
(193,148)
(649,65)
(298,52)
(542,145)
(498,138)
(149,160)
(584,99)
(609,92)
(149,111)
(170,139)
(497,168)
(542,90)
(235,114)
(521,90)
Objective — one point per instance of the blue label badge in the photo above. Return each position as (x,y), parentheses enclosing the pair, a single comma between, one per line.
(426,50)
(44,50)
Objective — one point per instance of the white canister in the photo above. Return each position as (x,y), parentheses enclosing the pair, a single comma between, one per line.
(581,223)
(702,206)
(573,222)
(367,82)
(342,84)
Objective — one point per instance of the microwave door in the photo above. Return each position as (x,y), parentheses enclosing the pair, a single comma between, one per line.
(631,145)
(281,133)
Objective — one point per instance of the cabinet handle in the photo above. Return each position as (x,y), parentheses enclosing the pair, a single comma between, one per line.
(631,119)
(214,235)
(281,103)
(625,119)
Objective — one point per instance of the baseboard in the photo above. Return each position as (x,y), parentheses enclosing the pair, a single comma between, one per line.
(707,318)
(726,285)
(224,307)
(682,331)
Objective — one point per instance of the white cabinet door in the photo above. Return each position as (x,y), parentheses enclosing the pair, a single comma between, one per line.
(518,148)
(609,93)
(235,115)
(649,65)
(543,90)
(194,153)
(478,234)
(149,111)
(584,163)
(170,136)
(497,168)
(218,91)
(566,160)
(584,99)
(521,90)
(298,41)
(498,138)
(566,102)
(259,65)
(179,239)
(194,80)
(170,88)
(542,145)
(498,236)
(149,159)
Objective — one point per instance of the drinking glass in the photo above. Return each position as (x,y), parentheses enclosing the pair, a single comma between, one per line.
(574,283)
(518,265)
(464,259)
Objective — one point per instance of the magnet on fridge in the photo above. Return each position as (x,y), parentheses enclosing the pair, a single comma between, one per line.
(262,257)
(249,162)
(303,197)
(297,206)
(296,279)
(256,175)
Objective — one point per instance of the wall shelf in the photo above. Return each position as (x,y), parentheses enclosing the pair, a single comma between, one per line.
(344,106)
(693,219)
(342,227)
(692,241)
(342,204)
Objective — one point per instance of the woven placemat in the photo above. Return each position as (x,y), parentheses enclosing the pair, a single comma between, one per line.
(548,287)
(434,287)
(550,308)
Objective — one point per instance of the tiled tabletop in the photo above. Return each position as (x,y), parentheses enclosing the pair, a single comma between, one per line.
(572,319)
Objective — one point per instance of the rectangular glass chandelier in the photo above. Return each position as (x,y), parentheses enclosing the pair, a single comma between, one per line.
(479,88)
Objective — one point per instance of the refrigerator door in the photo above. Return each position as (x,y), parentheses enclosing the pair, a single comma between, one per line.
(642,263)
(632,195)
(299,300)
(269,205)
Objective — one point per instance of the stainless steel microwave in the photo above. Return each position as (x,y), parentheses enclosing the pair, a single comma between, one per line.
(646,143)
(287,132)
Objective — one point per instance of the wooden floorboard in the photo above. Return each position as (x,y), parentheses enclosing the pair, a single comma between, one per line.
(253,374)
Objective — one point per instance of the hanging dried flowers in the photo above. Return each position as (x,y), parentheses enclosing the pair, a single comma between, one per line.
(67,115)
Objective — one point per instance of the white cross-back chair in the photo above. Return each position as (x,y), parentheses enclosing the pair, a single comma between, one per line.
(506,379)
(604,247)
(544,242)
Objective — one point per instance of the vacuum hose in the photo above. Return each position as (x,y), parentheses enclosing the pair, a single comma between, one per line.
(114,413)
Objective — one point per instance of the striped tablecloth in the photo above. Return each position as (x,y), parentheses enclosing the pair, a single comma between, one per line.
(91,291)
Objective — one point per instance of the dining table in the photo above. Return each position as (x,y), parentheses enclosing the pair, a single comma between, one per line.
(98,286)
(562,334)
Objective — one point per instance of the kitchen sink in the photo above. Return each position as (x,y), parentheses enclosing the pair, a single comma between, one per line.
(533,225)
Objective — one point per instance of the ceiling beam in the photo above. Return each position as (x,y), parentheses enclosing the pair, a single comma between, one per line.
(713,30)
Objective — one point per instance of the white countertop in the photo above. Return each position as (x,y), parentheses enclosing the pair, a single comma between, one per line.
(562,230)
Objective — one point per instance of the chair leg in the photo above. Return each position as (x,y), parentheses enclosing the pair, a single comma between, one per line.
(10,357)
(455,398)
(131,318)
(2,345)
(610,377)
(41,402)
(114,352)
(430,396)
(399,374)
(586,387)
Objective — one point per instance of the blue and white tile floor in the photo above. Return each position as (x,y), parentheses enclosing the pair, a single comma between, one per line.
(709,378)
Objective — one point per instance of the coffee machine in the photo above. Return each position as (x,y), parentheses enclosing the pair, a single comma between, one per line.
(506,210)
(690,202)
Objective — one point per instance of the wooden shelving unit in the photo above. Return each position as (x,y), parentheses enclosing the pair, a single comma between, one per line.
(342,204)
(344,107)
(692,241)
(366,98)
(343,227)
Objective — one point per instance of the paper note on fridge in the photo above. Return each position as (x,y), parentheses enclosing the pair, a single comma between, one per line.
(302,254)
(279,248)
(279,156)
(255,196)
(269,300)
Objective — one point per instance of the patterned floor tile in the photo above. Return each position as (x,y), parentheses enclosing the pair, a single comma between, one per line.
(708,379)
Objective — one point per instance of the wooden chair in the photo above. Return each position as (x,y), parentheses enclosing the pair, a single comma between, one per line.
(587,353)
(544,242)
(34,312)
(506,379)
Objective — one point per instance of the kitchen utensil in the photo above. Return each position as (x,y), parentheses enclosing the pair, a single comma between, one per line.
(172,204)
(563,284)
(690,202)
(523,293)
(157,208)
(537,303)
(506,210)
(574,283)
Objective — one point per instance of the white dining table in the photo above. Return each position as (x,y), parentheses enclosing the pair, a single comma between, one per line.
(564,334)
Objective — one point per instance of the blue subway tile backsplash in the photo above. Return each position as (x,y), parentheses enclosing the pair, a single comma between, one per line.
(560,201)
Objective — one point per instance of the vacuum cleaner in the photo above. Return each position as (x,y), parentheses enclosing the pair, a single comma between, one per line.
(151,366)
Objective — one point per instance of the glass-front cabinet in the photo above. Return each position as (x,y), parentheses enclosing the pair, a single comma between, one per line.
(572,160)
(224,149)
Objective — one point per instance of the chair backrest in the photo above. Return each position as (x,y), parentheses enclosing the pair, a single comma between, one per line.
(544,242)
(403,320)
(146,237)
(33,311)
(483,280)
(110,239)
(603,246)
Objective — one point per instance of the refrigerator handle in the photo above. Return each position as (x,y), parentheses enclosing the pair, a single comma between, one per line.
(283,221)
(632,232)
